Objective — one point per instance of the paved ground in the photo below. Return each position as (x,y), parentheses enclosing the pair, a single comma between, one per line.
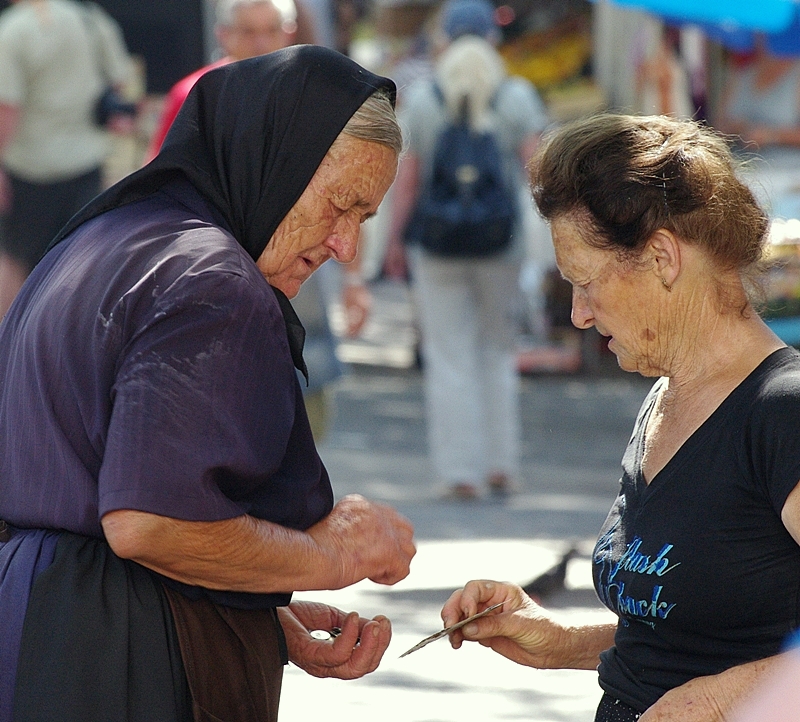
(575,428)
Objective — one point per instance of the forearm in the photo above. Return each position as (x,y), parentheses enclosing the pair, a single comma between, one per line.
(9,119)
(582,646)
(712,698)
(358,540)
(239,554)
(404,196)
(523,631)
(783,135)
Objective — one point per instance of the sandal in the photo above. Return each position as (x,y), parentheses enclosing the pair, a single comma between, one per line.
(500,484)
(462,491)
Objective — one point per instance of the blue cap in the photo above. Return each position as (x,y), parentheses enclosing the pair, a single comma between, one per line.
(468,17)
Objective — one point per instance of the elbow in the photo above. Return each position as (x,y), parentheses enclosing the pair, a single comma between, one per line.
(129,533)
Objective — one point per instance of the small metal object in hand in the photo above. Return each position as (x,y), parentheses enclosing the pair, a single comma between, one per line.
(447,630)
(324,634)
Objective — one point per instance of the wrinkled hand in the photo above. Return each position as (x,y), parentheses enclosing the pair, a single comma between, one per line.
(343,657)
(365,540)
(357,305)
(520,630)
(694,701)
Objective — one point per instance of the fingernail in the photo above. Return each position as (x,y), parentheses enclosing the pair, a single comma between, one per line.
(376,630)
(470,630)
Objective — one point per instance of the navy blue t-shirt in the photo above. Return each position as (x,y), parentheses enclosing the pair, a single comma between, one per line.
(697,564)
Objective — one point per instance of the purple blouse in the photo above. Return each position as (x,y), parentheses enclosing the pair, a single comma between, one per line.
(145,365)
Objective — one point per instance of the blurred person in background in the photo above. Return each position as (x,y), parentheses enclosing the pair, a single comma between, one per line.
(246,29)
(662,81)
(761,101)
(56,59)
(466,305)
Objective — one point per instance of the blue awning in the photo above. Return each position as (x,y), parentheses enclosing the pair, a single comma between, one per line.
(769,16)
(733,22)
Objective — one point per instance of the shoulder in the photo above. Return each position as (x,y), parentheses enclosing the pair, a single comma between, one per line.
(771,433)
(169,239)
(178,92)
(518,97)
(779,376)
(515,86)
(771,404)
(193,241)
(15,20)
(99,14)
(421,113)
(171,269)
(184,85)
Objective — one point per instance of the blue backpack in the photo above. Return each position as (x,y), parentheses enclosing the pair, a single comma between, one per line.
(466,209)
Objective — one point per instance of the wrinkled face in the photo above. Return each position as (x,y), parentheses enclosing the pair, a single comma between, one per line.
(256,30)
(614,297)
(325,222)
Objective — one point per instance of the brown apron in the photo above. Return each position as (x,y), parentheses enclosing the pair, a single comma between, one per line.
(233,659)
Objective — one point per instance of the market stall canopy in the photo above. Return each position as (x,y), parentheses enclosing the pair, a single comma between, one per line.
(786,42)
(732,23)
(769,16)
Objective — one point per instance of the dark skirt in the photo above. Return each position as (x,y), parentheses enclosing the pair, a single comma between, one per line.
(613,710)
(99,643)
(105,641)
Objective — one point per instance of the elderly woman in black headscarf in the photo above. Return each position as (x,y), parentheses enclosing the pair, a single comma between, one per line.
(161,494)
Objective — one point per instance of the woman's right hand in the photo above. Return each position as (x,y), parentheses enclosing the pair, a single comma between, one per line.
(520,630)
(365,540)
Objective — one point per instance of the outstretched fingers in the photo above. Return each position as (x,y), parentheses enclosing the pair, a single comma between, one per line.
(474,597)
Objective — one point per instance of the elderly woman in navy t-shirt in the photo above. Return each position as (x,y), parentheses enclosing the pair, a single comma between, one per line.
(699,556)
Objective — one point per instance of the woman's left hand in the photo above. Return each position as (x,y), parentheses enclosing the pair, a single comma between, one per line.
(714,697)
(694,701)
(352,654)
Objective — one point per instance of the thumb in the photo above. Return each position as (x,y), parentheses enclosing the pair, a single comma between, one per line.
(484,628)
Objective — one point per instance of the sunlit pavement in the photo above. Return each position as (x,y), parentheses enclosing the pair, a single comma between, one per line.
(438,683)
(575,428)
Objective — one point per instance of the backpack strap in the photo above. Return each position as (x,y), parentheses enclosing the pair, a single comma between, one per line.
(437,91)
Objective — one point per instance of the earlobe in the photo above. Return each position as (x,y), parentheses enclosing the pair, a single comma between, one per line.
(666,253)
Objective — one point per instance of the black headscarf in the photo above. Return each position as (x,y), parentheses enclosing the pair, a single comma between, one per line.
(250,136)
